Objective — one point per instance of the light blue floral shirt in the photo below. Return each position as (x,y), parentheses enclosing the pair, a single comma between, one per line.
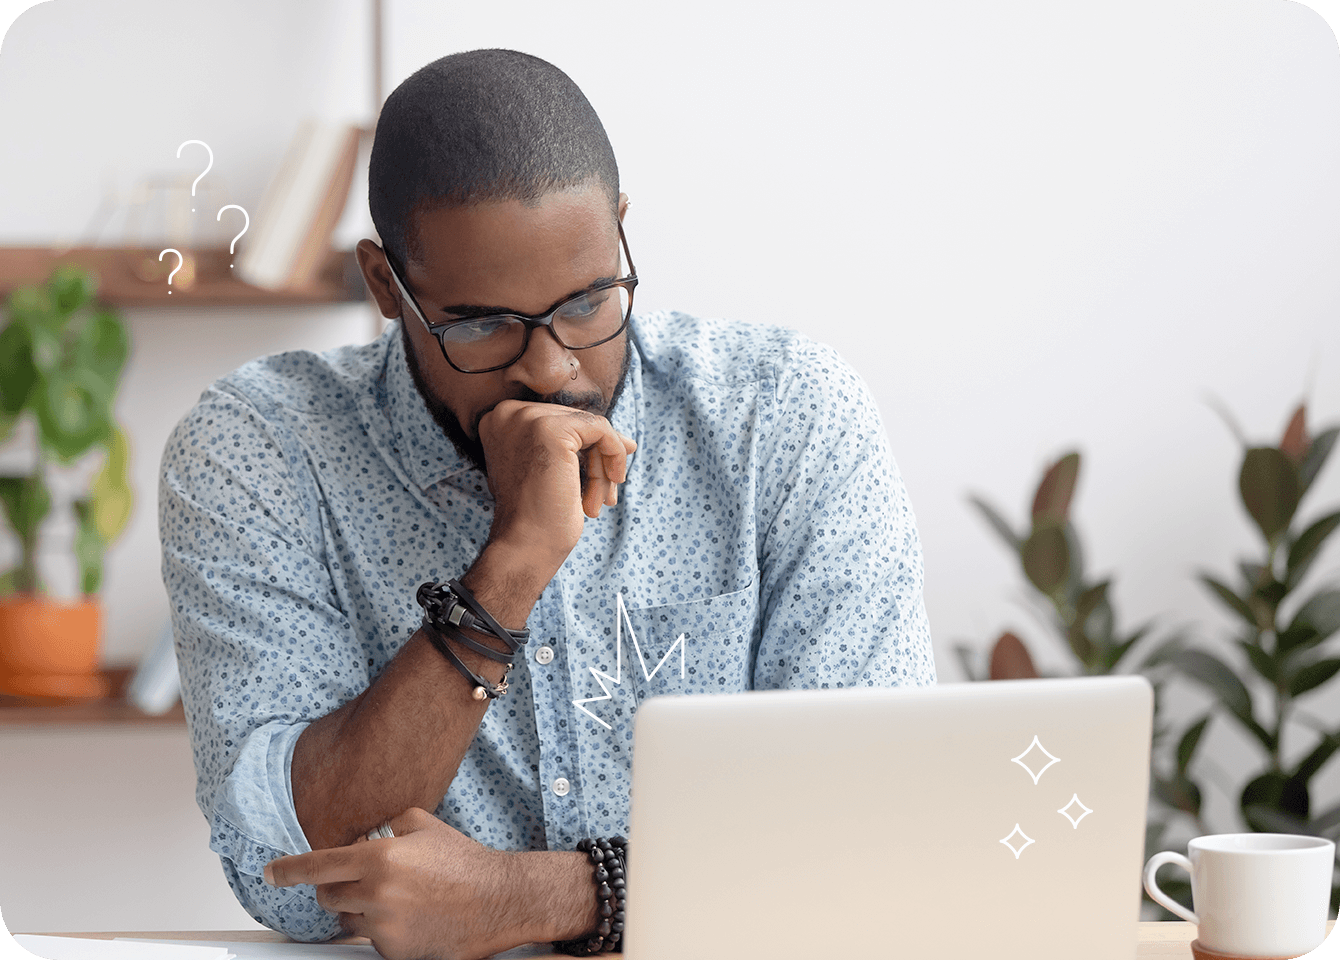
(763,539)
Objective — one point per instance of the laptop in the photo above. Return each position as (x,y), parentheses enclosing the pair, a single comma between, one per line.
(1002,819)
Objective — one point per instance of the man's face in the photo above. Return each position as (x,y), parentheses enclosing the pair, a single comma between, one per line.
(507,257)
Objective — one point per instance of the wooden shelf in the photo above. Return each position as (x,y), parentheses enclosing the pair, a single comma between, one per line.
(131,277)
(112,709)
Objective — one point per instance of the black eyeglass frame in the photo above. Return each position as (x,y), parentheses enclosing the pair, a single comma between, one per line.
(543,320)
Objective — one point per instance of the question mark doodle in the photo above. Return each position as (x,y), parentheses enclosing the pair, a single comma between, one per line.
(245,226)
(180,261)
(202,172)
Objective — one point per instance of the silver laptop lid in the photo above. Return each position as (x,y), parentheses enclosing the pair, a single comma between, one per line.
(1000,819)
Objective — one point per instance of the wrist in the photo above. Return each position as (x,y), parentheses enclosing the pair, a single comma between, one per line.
(508,580)
(557,894)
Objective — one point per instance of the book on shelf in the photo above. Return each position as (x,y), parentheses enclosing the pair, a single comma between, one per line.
(301,207)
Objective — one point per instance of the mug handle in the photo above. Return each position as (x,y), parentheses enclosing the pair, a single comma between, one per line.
(1161,898)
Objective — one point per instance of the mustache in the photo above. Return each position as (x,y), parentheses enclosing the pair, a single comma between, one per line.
(591,401)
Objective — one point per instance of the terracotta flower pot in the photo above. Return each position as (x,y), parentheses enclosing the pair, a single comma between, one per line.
(49,648)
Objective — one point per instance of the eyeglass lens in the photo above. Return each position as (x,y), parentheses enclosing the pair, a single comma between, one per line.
(584,321)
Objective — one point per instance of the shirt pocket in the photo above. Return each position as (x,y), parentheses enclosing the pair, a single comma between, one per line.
(713,656)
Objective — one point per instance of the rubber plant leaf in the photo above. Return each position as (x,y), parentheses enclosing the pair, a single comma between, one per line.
(1316,456)
(1270,488)
(998,523)
(1186,748)
(1046,558)
(1051,503)
(1305,549)
(1230,599)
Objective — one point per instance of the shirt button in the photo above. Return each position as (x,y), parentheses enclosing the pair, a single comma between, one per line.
(561,786)
(544,654)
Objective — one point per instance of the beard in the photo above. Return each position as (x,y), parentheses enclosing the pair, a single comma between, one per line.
(471,449)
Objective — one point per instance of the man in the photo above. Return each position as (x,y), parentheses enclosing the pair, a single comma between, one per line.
(668,505)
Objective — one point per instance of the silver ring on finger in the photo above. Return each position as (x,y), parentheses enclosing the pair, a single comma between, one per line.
(381,832)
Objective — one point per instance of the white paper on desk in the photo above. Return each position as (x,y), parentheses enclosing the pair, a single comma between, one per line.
(73,948)
(277,951)
(325,951)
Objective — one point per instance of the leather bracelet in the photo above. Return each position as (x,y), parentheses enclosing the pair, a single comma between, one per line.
(445,606)
(514,639)
(482,688)
(610,859)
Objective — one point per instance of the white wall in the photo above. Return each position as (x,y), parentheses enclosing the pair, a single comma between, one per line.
(1030,225)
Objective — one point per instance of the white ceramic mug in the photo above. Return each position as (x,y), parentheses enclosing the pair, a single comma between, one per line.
(1255,894)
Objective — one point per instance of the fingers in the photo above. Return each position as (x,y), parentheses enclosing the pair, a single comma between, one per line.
(599,489)
(342,898)
(335,865)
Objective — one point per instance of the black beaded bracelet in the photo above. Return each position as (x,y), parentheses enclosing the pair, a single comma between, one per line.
(610,859)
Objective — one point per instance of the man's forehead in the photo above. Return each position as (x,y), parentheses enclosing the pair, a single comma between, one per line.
(511,247)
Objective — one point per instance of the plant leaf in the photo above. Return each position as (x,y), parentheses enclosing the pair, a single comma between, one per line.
(73,412)
(1231,600)
(998,523)
(1321,613)
(1180,793)
(27,502)
(16,360)
(965,656)
(1219,678)
(110,496)
(1270,488)
(1046,558)
(1315,760)
(1316,456)
(1313,675)
(102,346)
(1275,792)
(1051,503)
(1186,747)
(1263,662)
(1010,659)
(88,548)
(72,287)
(1295,441)
(1263,818)
(1118,650)
(1305,549)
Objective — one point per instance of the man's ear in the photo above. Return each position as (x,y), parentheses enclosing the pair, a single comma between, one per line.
(377,276)
(623,205)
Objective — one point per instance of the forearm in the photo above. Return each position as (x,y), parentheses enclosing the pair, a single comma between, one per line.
(399,744)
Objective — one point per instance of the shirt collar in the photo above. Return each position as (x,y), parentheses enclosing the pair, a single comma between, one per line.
(415,438)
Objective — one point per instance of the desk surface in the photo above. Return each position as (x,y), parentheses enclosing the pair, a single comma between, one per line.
(1164,940)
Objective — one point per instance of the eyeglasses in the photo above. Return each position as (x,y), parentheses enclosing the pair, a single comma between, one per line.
(484,344)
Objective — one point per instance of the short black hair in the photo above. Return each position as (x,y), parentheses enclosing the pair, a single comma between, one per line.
(477,127)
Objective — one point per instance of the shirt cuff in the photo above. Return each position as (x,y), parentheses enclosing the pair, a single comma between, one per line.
(254,820)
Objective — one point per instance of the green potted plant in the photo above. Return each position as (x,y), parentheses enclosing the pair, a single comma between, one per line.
(1280,631)
(61,358)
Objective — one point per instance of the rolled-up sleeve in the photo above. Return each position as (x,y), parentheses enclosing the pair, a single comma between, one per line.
(840,559)
(263,647)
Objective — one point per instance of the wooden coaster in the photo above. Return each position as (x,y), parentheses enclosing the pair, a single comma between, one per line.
(1200,953)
